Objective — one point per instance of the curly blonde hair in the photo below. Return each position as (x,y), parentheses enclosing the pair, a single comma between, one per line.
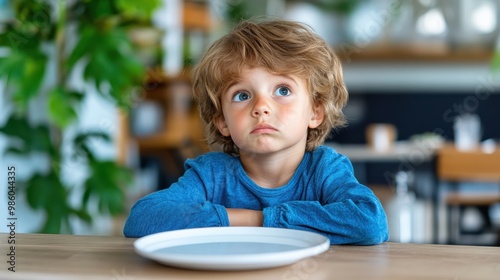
(281,47)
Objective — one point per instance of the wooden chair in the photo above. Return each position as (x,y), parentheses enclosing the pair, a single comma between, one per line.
(456,166)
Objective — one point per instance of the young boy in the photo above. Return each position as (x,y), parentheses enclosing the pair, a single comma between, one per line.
(269,92)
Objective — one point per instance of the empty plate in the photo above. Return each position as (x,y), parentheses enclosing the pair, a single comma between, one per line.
(231,248)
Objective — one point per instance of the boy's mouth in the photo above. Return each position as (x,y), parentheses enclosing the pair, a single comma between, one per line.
(263,128)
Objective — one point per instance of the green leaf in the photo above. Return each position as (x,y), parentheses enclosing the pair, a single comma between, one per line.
(86,44)
(57,219)
(27,138)
(53,223)
(40,140)
(19,39)
(25,72)
(14,69)
(107,70)
(86,197)
(62,105)
(113,201)
(34,72)
(138,9)
(86,136)
(136,69)
(17,127)
(48,194)
(82,140)
(16,151)
(82,214)
(113,63)
(106,183)
(35,14)
(11,64)
(344,7)
(40,190)
(102,9)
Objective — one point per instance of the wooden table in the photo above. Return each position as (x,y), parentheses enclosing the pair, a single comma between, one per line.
(71,257)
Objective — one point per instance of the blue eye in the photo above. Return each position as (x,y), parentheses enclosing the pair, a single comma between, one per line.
(241,96)
(282,91)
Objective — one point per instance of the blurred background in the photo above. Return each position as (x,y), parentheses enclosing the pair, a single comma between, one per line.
(96,107)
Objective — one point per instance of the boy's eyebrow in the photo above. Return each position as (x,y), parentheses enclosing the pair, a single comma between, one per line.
(232,84)
(229,86)
(288,77)
(285,76)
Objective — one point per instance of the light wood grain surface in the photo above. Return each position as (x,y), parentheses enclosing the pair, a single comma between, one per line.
(92,257)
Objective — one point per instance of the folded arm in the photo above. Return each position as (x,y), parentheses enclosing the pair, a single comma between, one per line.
(183,205)
(348,221)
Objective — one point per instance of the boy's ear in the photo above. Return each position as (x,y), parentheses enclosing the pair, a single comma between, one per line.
(221,125)
(317,117)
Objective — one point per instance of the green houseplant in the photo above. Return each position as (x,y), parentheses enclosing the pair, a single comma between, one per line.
(91,34)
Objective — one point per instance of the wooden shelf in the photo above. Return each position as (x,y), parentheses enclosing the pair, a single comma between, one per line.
(196,15)
(412,53)
(475,199)
(182,125)
(178,130)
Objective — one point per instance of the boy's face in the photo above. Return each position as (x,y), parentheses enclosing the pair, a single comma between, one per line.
(267,113)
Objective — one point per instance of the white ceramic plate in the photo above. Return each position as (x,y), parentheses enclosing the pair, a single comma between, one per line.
(231,248)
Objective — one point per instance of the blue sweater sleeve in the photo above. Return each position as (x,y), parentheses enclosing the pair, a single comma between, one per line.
(346,211)
(183,205)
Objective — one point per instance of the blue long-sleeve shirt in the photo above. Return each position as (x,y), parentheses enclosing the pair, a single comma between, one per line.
(322,196)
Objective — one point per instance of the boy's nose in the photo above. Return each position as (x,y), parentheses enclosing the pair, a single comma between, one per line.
(262,112)
(261,108)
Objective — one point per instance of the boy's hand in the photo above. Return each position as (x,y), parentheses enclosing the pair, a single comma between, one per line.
(244,217)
